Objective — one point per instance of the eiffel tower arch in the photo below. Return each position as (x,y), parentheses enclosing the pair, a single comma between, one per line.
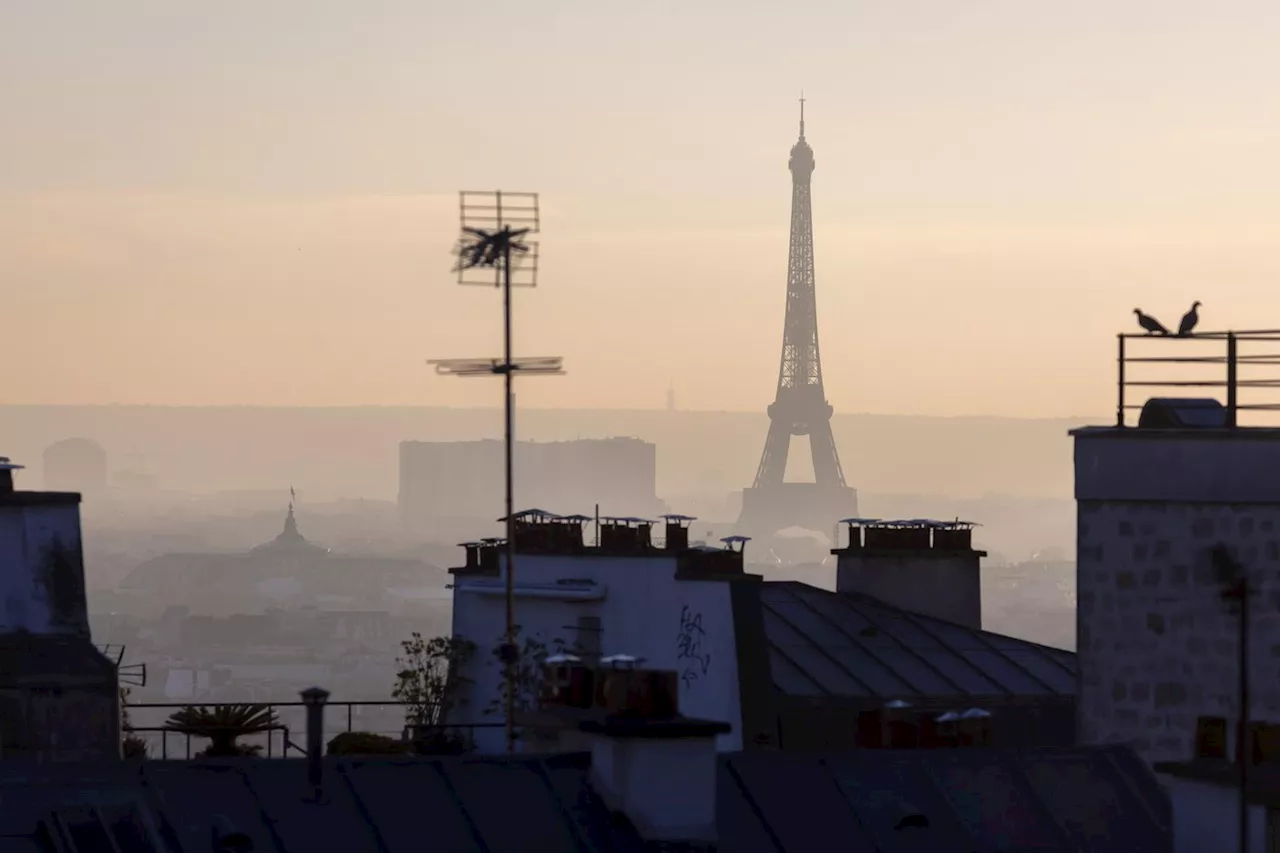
(800,406)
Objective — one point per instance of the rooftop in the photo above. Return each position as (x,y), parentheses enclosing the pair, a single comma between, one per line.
(824,644)
(1097,799)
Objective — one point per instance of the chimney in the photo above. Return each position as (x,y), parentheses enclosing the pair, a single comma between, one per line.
(661,774)
(921,566)
(314,700)
(652,765)
(678,531)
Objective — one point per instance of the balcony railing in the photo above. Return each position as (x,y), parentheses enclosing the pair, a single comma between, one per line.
(1212,361)
(281,740)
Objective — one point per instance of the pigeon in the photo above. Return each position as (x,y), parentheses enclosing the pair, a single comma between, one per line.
(1151,324)
(1189,321)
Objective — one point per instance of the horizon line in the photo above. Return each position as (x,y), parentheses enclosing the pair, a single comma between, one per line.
(656,409)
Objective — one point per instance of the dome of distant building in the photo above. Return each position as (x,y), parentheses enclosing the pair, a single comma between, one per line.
(290,542)
(75,465)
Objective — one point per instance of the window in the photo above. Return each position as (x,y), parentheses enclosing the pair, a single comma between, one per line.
(590,639)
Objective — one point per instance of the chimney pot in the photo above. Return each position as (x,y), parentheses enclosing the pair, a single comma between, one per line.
(314,699)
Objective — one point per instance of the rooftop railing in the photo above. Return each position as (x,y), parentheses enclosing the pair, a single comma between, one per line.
(1212,361)
(282,738)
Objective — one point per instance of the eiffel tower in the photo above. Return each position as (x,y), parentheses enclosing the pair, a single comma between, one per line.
(800,407)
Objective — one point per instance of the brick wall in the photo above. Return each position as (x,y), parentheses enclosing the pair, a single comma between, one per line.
(1157,647)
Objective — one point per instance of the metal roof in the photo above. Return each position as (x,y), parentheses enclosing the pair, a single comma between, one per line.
(823,643)
(1094,799)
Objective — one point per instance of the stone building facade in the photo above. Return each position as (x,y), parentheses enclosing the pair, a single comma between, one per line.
(1157,645)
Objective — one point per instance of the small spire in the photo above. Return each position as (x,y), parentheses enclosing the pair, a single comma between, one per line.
(802,113)
(290,523)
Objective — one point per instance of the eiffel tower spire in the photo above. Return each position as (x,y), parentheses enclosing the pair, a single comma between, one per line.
(800,406)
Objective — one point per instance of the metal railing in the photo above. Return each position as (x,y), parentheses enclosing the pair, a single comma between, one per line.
(279,738)
(1219,372)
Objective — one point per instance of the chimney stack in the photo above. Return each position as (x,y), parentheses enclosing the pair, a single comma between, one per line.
(653,765)
(314,699)
(678,531)
(661,774)
(919,565)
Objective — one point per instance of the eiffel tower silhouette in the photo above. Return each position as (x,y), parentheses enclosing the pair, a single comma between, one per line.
(800,406)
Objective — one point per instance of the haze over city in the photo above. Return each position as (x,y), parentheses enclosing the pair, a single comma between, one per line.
(254,204)
(912,481)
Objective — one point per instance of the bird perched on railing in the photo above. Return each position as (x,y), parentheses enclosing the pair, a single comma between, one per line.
(1189,321)
(1151,324)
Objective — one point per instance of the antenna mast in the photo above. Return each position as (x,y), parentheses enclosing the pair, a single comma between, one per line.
(493,251)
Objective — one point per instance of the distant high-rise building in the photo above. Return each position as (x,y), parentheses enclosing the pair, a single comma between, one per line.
(671,397)
(75,465)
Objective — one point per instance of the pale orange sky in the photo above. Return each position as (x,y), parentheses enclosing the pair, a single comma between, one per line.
(253,203)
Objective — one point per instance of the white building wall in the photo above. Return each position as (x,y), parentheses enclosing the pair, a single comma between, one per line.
(29,536)
(686,626)
(1156,646)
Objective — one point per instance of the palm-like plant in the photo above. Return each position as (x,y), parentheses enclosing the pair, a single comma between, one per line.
(223,725)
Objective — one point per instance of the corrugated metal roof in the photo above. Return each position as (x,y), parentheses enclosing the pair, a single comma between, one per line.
(1094,799)
(823,643)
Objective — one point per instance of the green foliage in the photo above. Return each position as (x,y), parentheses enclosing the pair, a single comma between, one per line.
(429,677)
(367,743)
(526,672)
(131,746)
(223,725)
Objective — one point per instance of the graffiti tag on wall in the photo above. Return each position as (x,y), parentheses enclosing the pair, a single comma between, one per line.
(689,647)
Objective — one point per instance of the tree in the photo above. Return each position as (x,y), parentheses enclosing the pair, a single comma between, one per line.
(223,725)
(526,672)
(430,677)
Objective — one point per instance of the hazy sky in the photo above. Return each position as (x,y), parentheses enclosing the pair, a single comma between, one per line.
(253,202)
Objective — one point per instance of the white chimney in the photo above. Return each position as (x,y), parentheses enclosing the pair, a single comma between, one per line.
(660,773)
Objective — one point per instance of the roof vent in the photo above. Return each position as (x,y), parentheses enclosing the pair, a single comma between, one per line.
(1175,413)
